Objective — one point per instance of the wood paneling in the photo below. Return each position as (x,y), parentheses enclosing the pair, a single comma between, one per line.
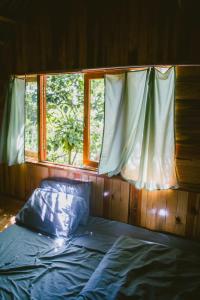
(105,44)
(89,34)
(173,211)
(187,127)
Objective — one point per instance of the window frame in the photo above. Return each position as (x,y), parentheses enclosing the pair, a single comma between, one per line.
(29,154)
(42,117)
(86,133)
(42,138)
(87,162)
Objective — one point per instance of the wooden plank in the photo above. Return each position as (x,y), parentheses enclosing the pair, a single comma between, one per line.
(193,216)
(2,184)
(6,180)
(99,196)
(12,180)
(20,190)
(196,212)
(124,202)
(188,90)
(188,74)
(192,198)
(115,200)
(37,173)
(151,210)
(28,189)
(71,174)
(77,176)
(181,213)
(187,126)
(53,172)
(93,195)
(161,211)
(188,172)
(144,208)
(171,206)
(187,151)
(134,213)
(107,198)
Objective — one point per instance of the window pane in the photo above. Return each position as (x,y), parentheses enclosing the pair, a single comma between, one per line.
(96,117)
(31,117)
(64,100)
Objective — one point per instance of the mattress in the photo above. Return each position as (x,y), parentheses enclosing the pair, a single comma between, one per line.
(101,257)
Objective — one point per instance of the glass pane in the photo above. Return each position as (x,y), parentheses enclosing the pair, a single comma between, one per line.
(65,96)
(31,117)
(96,117)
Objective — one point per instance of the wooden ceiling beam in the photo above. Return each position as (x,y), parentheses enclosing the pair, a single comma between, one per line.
(7,20)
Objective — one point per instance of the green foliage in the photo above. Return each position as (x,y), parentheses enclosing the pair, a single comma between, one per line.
(65,118)
(31,125)
(96,117)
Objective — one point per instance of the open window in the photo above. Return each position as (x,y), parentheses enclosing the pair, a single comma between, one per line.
(71,117)
(31,118)
(93,118)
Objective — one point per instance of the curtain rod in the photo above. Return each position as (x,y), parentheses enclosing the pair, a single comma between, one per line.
(52,72)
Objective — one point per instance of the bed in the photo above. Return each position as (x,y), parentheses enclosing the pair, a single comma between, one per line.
(102,259)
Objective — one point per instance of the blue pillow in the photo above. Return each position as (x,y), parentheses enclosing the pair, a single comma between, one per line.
(52,213)
(74,187)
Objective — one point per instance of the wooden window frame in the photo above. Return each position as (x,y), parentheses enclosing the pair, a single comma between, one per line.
(87,162)
(86,134)
(42,148)
(42,117)
(29,154)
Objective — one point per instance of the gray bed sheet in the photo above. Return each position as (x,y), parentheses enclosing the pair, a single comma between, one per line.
(37,267)
(115,229)
(142,270)
(34,266)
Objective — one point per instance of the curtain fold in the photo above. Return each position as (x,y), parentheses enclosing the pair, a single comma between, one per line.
(113,137)
(12,129)
(142,143)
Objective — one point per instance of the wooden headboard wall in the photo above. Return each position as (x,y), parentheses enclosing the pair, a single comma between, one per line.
(171,211)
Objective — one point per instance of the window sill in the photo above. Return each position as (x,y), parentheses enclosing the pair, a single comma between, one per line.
(88,170)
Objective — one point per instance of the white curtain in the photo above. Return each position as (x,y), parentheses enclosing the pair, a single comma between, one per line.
(138,137)
(12,129)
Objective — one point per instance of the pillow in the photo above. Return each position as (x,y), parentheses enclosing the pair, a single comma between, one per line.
(52,213)
(74,187)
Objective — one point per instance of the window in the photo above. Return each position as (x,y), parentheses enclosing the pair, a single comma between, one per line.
(71,118)
(94,118)
(31,118)
(65,117)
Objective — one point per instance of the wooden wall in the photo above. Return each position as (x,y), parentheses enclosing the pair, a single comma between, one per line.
(171,211)
(176,212)
(188,127)
(74,34)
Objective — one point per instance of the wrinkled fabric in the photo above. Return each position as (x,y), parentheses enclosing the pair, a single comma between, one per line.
(138,137)
(135,269)
(38,267)
(12,129)
(74,187)
(52,213)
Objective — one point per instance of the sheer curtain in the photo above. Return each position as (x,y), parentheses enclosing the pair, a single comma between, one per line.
(12,129)
(138,137)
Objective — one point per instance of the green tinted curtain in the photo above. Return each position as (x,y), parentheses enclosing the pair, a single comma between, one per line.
(138,137)
(12,129)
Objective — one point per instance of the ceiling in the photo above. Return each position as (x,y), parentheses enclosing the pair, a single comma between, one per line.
(14,12)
